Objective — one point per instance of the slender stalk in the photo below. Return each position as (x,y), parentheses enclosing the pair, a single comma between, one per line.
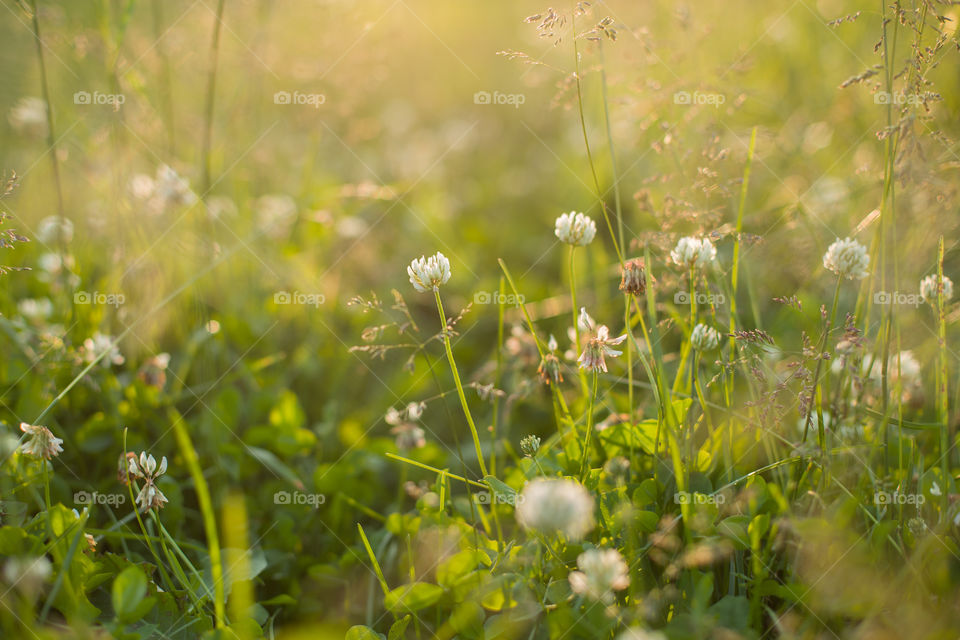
(586,437)
(51,136)
(189,454)
(211,94)
(943,415)
(456,378)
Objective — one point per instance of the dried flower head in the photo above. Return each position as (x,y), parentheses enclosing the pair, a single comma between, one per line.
(704,338)
(633,280)
(549,368)
(145,468)
(693,252)
(602,571)
(930,291)
(41,443)
(556,506)
(427,274)
(575,229)
(598,344)
(848,259)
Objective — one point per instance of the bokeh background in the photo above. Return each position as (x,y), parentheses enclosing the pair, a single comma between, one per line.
(385,151)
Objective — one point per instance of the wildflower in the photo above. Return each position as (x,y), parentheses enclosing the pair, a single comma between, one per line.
(617,468)
(704,338)
(41,443)
(27,574)
(276,214)
(145,468)
(556,506)
(29,116)
(35,309)
(154,371)
(848,259)
(575,229)
(693,252)
(549,368)
(427,274)
(53,229)
(633,279)
(598,346)
(601,573)
(408,435)
(529,445)
(929,290)
(165,190)
(99,344)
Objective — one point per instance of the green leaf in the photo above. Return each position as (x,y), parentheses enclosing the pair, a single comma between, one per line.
(129,590)
(397,628)
(412,597)
(360,632)
(504,493)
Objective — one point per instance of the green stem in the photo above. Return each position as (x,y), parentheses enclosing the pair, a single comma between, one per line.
(589,433)
(456,378)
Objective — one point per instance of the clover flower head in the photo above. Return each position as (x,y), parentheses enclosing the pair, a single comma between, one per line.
(601,572)
(599,344)
(848,259)
(633,280)
(145,468)
(41,443)
(556,506)
(693,252)
(427,274)
(929,290)
(704,338)
(575,229)
(529,445)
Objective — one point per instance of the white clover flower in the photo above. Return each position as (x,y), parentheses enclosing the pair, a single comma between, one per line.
(929,289)
(556,506)
(691,252)
(98,344)
(29,116)
(427,274)
(598,344)
(575,229)
(35,308)
(408,436)
(41,442)
(602,571)
(53,229)
(704,338)
(27,574)
(848,259)
(276,214)
(145,467)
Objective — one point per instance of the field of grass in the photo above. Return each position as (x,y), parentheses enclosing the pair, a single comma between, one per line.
(417,319)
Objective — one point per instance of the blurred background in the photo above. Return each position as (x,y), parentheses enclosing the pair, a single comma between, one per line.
(345,139)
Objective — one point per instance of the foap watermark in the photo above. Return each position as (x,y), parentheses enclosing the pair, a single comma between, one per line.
(97,98)
(897,297)
(297,98)
(95,497)
(513,99)
(886,97)
(485,497)
(299,498)
(684,297)
(885,497)
(99,298)
(698,97)
(298,297)
(495,297)
(685,497)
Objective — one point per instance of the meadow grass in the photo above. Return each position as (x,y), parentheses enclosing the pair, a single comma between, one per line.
(693,376)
